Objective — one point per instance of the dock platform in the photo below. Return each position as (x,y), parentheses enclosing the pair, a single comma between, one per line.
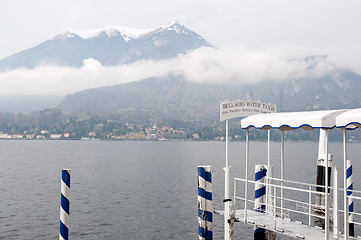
(268,198)
(284,226)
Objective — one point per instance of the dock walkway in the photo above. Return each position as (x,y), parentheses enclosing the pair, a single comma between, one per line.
(284,226)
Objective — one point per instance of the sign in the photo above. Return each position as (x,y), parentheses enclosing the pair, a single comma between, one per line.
(237,109)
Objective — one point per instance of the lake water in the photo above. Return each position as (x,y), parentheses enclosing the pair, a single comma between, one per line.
(130,190)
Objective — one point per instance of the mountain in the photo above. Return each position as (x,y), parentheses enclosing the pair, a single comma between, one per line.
(110,46)
(170,96)
(175,97)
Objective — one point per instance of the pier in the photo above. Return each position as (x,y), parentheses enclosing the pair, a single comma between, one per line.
(275,205)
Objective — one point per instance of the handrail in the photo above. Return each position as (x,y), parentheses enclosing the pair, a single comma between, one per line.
(354,197)
(289,181)
(350,190)
(252,201)
(357,223)
(284,187)
(313,215)
(294,206)
(272,206)
(300,183)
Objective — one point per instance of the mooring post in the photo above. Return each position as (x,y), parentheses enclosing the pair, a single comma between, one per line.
(260,198)
(350,200)
(64,205)
(205,209)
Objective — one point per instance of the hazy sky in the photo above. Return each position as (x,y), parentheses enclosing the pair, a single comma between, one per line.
(253,23)
(254,39)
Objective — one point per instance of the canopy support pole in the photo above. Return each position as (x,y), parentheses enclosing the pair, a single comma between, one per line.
(227,143)
(269,173)
(345,199)
(227,195)
(246,184)
(268,148)
(282,167)
(327,206)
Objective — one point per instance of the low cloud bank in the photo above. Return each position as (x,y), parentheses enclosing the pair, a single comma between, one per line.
(205,65)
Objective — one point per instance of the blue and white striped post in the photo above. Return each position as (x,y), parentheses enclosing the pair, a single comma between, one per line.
(64,205)
(260,198)
(350,200)
(205,209)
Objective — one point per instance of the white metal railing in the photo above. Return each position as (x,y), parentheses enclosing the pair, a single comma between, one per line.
(301,204)
(288,205)
(356,197)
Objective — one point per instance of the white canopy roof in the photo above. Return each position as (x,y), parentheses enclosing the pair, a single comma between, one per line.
(293,120)
(350,119)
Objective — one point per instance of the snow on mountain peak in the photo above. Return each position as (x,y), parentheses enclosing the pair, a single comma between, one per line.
(111,31)
(110,46)
(173,26)
(63,36)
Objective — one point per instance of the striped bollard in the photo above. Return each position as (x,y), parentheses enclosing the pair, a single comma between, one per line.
(205,209)
(64,205)
(350,200)
(260,199)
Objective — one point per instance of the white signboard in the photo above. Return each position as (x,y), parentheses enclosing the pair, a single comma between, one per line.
(237,109)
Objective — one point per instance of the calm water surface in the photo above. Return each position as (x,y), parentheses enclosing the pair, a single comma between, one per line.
(130,190)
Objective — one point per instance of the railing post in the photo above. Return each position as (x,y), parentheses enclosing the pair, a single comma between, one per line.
(309,205)
(267,194)
(234,194)
(275,206)
(282,168)
(64,205)
(269,190)
(335,203)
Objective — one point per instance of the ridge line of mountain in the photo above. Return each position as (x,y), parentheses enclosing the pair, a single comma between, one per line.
(70,49)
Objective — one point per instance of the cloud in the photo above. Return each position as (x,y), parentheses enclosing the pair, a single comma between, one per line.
(205,65)
(244,65)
